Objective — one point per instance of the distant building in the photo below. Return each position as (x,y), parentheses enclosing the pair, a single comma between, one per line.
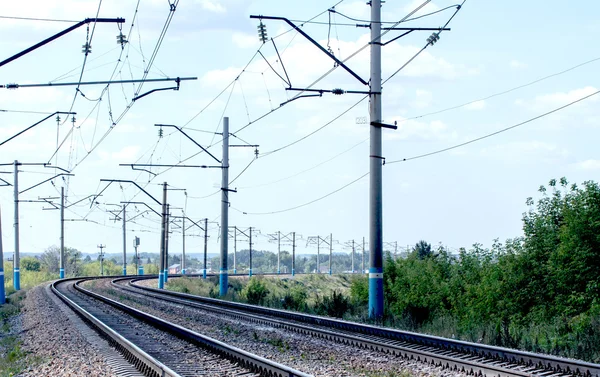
(175,269)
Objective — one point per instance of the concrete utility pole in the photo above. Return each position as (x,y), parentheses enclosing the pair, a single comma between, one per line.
(278,252)
(161,272)
(353,249)
(250,244)
(2,293)
(205,246)
(62,233)
(16,273)
(363,257)
(223,283)
(293,253)
(183,243)
(101,247)
(234,249)
(167,221)
(124,242)
(376,173)
(330,250)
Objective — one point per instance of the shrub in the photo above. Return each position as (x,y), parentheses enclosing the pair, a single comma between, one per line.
(255,292)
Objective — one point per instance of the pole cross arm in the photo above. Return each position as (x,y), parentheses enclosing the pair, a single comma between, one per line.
(60,34)
(337,61)
(189,137)
(128,181)
(49,179)
(142,203)
(107,82)
(35,124)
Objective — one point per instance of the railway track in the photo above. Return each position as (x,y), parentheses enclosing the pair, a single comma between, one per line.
(160,348)
(452,354)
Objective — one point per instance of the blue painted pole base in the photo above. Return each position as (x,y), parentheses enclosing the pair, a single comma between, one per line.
(250,273)
(2,293)
(278,272)
(183,271)
(235,271)
(124,271)
(166,275)
(161,283)
(293,272)
(17,279)
(140,270)
(204,274)
(376,293)
(223,283)
(329,272)
(62,273)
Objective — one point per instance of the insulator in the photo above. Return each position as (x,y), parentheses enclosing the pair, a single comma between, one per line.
(338,91)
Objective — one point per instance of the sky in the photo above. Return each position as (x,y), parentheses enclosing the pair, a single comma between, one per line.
(501,64)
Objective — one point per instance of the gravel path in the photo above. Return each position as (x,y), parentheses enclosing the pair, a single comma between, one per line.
(56,347)
(308,354)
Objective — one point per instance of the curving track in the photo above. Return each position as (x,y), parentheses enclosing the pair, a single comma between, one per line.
(472,358)
(159,348)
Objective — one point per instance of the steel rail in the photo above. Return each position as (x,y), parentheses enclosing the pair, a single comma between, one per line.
(247,360)
(136,356)
(446,360)
(547,362)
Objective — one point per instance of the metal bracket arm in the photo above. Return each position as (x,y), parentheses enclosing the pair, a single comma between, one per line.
(338,61)
(58,35)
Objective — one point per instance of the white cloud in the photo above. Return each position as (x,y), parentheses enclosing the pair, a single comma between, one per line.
(478,105)
(588,165)
(547,101)
(422,99)
(414,130)
(212,6)
(515,64)
(526,151)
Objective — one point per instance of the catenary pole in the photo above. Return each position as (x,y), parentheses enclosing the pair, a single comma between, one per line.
(183,244)
(363,257)
(318,254)
(278,251)
(124,242)
(2,293)
(234,249)
(250,244)
(205,246)
(62,233)
(161,281)
(376,172)
(293,253)
(223,283)
(330,250)
(16,272)
(167,221)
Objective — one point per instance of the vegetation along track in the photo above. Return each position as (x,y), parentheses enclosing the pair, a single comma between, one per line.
(448,353)
(160,348)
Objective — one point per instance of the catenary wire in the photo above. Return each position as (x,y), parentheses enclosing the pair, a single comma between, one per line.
(494,133)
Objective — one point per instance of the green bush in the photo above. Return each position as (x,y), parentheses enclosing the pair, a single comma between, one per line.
(256,291)
(335,305)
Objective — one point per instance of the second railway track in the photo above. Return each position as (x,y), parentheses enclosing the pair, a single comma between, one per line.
(451,354)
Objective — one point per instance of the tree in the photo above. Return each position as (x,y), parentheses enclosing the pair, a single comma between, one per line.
(50,260)
(423,249)
(30,264)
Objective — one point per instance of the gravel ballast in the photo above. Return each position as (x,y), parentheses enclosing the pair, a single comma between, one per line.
(55,345)
(308,354)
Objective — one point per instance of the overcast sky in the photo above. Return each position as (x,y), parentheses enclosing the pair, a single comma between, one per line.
(470,194)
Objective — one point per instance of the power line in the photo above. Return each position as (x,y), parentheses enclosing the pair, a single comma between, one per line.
(503,92)
(494,133)
(307,170)
(305,204)
(36,19)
